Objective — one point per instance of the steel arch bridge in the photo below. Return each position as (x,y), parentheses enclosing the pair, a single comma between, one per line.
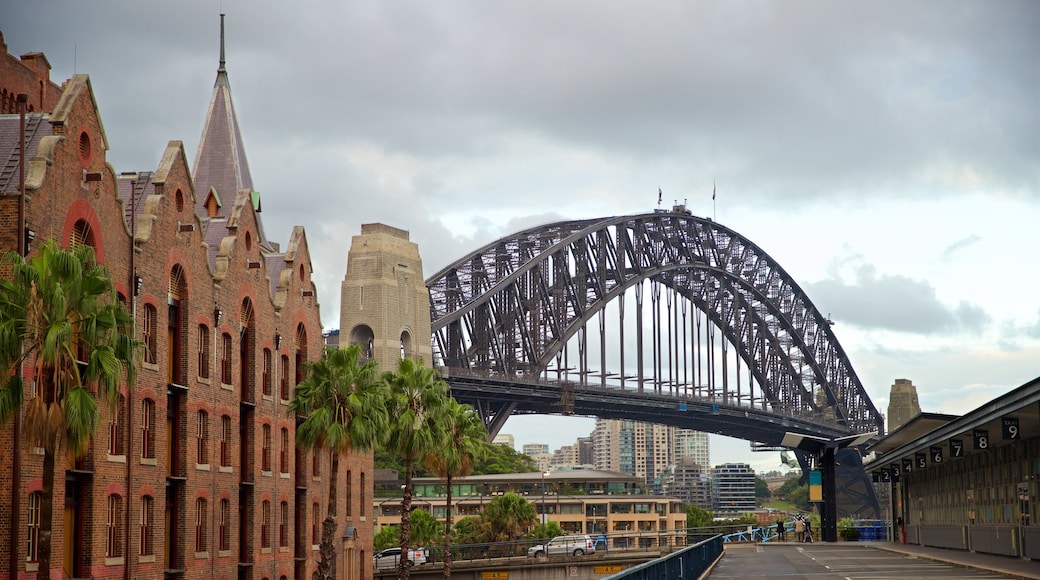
(521,326)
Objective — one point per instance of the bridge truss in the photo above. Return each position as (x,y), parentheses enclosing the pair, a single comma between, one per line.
(685,292)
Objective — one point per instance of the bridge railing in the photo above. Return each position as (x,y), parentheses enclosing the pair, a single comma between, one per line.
(689,562)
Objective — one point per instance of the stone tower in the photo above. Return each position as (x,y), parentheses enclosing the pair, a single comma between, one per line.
(902,404)
(384,303)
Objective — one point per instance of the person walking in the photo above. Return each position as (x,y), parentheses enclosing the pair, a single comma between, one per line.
(781,531)
(808,531)
(799,528)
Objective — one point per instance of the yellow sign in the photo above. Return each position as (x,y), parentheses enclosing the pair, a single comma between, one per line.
(612,569)
(500,575)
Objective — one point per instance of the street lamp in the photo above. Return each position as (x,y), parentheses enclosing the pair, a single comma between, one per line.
(544,475)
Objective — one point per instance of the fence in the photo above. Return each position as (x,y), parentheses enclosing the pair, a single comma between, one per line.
(690,562)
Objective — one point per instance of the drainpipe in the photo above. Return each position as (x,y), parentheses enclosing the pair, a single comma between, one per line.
(16,455)
(127,561)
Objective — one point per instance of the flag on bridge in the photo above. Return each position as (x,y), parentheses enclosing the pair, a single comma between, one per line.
(713,191)
(659,195)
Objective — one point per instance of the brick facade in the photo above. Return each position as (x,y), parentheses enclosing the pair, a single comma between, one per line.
(200,440)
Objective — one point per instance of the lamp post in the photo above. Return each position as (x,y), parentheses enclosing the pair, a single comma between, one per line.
(544,475)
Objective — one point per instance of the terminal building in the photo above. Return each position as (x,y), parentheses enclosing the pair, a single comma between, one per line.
(967,482)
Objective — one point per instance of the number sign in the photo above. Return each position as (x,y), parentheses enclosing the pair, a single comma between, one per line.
(908,465)
(981,438)
(886,475)
(956,448)
(936,453)
(921,460)
(1009,428)
(895,472)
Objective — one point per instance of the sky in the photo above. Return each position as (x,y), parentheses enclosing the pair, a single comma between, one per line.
(886,154)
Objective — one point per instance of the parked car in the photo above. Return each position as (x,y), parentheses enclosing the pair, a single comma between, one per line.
(389,557)
(560,545)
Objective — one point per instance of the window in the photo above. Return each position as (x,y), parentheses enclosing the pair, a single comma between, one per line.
(362,487)
(265,455)
(265,525)
(225,359)
(113,533)
(225,525)
(147,530)
(315,465)
(200,525)
(148,429)
(203,350)
(283,458)
(266,378)
(35,500)
(315,523)
(202,437)
(283,380)
(116,421)
(149,329)
(350,494)
(225,441)
(283,526)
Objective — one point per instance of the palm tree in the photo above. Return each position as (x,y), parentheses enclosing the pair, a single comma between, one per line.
(464,434)
(342,406)
(507,516)
(417,397)
(59,311)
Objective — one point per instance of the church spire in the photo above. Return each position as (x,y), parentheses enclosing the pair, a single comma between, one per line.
(221,169)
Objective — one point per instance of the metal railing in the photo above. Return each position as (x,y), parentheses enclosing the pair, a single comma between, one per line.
(689,562)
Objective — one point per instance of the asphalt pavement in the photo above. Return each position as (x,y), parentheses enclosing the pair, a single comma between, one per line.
(864,561)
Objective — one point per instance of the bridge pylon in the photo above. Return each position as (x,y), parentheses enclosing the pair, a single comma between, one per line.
(384,303)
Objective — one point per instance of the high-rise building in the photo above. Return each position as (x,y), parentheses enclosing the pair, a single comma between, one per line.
(645,449)
(534,448)
(733,488)
(506,439)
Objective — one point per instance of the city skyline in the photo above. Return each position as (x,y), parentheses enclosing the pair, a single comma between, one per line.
(886,155)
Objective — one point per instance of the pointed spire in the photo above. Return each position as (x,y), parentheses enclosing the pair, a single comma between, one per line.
(220,161)
(221,68)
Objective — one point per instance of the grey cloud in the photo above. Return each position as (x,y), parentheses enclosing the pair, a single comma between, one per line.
(959,245)
(894,303)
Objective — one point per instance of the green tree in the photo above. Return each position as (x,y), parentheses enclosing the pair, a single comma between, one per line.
(425,529)
(762,492)
(697,517)
(467,531)
(546,531)
(508,516)
(342,406)
(416,399)
(58,310)
(464,437)
(503,459)
(386,537)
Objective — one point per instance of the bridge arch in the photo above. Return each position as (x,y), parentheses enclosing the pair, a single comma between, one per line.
(510,308)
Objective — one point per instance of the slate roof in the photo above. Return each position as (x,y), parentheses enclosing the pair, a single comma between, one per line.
(36,128)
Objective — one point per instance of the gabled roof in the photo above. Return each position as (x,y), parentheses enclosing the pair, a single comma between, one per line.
(36,128)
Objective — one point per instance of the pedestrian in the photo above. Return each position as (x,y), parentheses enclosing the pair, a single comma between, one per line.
(799,529)
(808,531)
(780,530)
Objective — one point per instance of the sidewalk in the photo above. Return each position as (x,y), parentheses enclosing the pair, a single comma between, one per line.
(1006,565)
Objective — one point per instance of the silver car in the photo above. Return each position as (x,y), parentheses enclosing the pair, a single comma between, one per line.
(389,558)
(564,545)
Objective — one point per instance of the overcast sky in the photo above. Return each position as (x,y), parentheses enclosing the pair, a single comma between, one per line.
(886,154)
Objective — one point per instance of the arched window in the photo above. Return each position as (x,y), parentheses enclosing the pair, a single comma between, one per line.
(265,378)
(315,523)
(149,330)
(225,525)
(81,235)
(203,351)
(201,539)
(265,452)
(35,502)
(225,441)
(225,359)
(283,526)
(116,426)
(283,382)
(113,527)
(202,438)
(265,525)
(147,526)
(283,453)
(148,429)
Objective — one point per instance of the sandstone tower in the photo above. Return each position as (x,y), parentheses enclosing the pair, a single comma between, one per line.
(384,304)
(902,404)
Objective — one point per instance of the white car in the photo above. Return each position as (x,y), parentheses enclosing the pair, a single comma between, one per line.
(560,545)
(389,557)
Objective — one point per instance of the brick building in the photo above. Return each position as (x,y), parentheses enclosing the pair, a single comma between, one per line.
(196,474)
